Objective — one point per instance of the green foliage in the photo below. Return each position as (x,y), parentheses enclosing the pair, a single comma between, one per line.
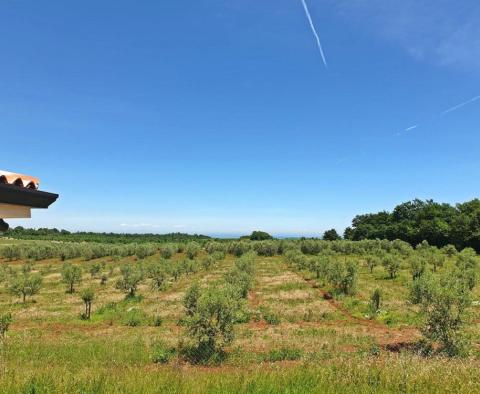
(132,276)
(343,276)
(157,273)
(209,323)
(392,265)
(260,236)
(161,353)
(87,296)
(375,301)
(444,300)
(271,317)
(331,235)
(5,321)
(167,251)
(110,238)
(71,275)
(25,285)
(95,269)
(417,220)
(283,354)
(266,248)
(372,262)
(134,317)
(192,250)
(418,265)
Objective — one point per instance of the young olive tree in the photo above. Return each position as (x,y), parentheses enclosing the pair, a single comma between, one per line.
(131,278)
(87,296)
(25,285)
(209,323)
(392,264)
(95,270)
(444,301)
(71,275)
(5,321)
(375,301)
(167,251)
(192,250)
(372,261)
(418,266)
(156,272)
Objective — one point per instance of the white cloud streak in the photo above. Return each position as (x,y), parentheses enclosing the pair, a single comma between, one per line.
(411,127)
(458,106)
(447,111)
(315,34)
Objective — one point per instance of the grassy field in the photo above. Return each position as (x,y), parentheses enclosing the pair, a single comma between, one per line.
(296,339)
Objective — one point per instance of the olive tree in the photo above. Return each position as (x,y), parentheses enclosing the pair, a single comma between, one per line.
(131,278)
(192,250)
(5,321)
(392,265)
(25,285)
(71,275)
(156,272)
(167,251)
(87,296)
(209,323)
(444,300)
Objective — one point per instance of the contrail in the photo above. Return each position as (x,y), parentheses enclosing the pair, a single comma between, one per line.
(447,111)
(454,108)
(314,31)
(411,127)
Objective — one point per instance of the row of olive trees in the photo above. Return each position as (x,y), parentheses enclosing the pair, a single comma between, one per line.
(339,274)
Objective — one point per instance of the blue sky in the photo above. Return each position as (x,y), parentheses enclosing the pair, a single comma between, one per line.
(219,117)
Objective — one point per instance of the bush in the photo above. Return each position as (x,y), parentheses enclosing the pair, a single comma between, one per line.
(5,321)
(192,250)
(167,251)
(161,353)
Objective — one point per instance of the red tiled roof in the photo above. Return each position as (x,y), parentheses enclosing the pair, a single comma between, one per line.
(20,180)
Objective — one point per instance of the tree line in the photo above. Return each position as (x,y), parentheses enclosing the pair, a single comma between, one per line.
(439,224)
(46,234)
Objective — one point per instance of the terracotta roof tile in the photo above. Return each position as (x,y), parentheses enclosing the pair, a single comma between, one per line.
(19,180)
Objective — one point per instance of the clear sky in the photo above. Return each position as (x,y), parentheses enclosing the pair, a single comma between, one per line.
(220,117)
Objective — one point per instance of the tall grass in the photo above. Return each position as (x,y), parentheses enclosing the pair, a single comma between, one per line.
(392,375)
